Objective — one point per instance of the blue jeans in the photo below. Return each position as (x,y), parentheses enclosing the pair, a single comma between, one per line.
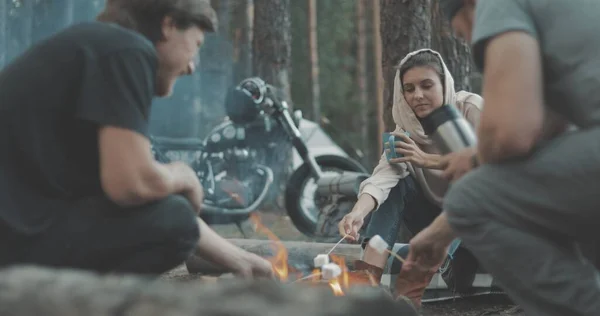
(405,203)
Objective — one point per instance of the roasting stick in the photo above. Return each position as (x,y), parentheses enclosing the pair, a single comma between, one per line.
(337,244)
(396,255)
(381,246)
(307,277)
(321,261)
(371,278)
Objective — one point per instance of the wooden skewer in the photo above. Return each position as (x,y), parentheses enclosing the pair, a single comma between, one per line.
(337,244)
(396,255)
(307,277)
(371,278)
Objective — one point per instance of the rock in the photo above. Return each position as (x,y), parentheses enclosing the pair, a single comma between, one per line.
(36,291)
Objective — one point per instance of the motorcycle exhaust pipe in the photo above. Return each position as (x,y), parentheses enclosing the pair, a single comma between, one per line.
(345,184)
(448,129)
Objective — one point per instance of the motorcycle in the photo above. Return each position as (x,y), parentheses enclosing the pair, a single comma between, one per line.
(240,161)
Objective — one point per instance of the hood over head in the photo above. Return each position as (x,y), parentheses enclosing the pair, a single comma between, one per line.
(403,115)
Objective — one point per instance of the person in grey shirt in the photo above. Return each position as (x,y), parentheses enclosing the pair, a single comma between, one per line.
(530,207)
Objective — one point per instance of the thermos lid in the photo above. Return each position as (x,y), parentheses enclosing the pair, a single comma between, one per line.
(438,117)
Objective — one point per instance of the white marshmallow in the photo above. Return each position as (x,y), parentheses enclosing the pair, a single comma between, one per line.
(330,271)
(321,260)
(377,243)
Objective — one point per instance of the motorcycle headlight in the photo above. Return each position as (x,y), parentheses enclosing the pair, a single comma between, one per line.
(255,88)
(243,103)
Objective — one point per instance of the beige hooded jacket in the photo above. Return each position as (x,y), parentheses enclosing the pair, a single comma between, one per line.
(386,175)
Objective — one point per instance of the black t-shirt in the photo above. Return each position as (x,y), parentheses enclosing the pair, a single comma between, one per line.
(53,99)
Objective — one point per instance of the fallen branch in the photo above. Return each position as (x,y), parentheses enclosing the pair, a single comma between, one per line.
(300,254)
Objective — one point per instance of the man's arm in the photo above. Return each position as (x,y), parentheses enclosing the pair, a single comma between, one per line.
(513,117)
(130,175)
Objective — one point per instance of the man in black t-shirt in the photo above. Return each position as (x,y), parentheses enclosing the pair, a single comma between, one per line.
(79,187)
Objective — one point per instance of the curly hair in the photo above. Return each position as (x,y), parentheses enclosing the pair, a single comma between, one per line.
(146,16)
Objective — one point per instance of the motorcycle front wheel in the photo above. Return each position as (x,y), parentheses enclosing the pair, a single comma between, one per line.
(301,189)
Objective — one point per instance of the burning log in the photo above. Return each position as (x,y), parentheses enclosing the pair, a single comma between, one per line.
(33,291)
(300,255)
(288,269)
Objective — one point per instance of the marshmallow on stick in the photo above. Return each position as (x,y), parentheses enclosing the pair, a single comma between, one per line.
(320,260)
(381,246)
(330,271)
(377,243)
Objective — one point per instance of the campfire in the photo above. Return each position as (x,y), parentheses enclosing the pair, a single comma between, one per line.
(335,273)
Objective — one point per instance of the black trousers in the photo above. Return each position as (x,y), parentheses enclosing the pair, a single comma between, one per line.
(101,236)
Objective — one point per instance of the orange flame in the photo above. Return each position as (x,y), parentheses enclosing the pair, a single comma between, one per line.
(280,265)
(344,277)
(280,259)
(316,273)
(336,287)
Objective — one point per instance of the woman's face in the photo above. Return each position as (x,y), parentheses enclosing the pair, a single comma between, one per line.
(423,90)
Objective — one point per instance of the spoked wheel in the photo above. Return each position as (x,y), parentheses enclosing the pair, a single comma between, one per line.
(301,201)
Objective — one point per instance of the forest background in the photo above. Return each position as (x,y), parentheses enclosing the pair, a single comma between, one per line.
(334,58)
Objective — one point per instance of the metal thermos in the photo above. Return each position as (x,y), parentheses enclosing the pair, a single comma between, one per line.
(448,129)
(450,132)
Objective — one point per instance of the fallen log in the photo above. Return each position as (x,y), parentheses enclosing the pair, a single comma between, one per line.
(31,291)
(300,254)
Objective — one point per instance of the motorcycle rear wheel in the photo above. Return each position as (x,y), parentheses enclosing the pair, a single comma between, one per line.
(304,219)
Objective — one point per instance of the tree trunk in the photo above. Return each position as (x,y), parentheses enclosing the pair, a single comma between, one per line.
(42,20)
(272,42)
(69,9)
(214,75)
(456,52)
(223,8)
(271,56)
(243,40)
(26,20)
(362,77)
(3,31)
(379,80)
(50,17)
(314,60)
(405,27)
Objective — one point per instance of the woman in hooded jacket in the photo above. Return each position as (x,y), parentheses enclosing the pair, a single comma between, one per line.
(410,189)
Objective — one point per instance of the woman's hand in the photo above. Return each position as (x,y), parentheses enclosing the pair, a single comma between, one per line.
(353,221)
(412,153)
(457,164)
(351,224)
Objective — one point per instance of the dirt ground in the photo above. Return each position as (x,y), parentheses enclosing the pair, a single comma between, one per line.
(282,227)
